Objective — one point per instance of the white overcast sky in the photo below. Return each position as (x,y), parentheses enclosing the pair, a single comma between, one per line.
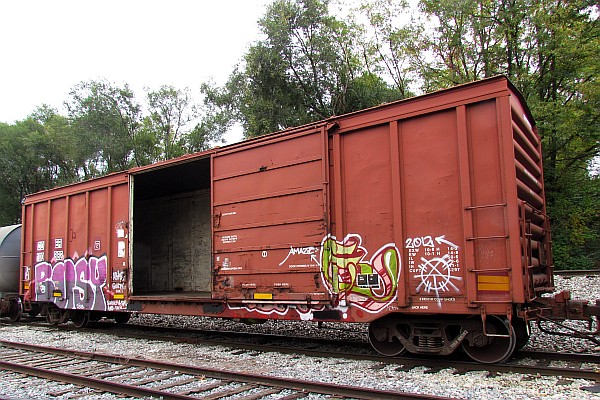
(48,46)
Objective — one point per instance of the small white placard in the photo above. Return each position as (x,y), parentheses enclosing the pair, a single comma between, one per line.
(121,250)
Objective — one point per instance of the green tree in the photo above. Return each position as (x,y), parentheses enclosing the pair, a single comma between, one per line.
(172,114)
(565,97)
(390,47)
(61,145)
(106,119)
(34,156)
(307,68)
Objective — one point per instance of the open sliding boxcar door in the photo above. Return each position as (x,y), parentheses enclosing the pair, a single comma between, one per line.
(270,210)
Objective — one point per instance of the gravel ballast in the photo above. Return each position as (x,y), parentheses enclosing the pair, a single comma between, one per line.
(472,385)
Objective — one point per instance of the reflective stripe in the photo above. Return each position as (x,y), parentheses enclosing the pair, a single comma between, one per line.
(263,296)
(503,287)
(493,282)
(492,279)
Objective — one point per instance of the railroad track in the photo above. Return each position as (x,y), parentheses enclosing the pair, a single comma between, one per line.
(574,366)
(79,371)
(577,272)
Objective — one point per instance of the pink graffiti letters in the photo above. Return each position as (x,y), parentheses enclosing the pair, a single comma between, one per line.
(73,284)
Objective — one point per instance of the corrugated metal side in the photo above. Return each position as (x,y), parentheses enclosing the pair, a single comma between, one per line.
(397,192)
(270,217)
(429,185)
(536,249)
(75,245)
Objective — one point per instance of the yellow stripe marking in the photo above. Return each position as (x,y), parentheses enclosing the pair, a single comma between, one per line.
(263,296)
(492,279)
(504,287)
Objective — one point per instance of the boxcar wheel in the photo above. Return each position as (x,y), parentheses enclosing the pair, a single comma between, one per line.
(56,316)
(80,318)
(16,310)
(384,339)
(491,349)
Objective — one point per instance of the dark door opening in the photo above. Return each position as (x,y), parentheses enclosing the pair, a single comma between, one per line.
(171,234)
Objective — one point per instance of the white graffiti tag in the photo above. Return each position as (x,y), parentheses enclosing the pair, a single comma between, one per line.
(441,239)
(308,251)
(436,275)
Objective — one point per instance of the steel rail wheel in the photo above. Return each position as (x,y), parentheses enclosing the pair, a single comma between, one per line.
(491,349)
(15,310)
(80,318)
(383,336)
(56,316)
(34,310)
(521,331)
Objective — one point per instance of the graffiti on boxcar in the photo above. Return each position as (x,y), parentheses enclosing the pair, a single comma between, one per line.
(305,312)
(434,262)
(436,275)
(370,285)
(310,251)
(73,284)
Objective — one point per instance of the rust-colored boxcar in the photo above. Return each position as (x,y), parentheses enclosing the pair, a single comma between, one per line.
(75,248)
(424,217)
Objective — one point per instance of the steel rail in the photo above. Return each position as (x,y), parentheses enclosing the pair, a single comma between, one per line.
(100,384)
(114,387)
(367,353)
(577,272)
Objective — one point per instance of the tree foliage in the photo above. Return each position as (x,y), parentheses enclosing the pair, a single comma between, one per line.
(105,131)
(171,112)
(35,154)
(105,118)
(308,67)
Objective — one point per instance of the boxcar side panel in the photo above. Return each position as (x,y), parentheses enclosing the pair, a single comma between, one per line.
(433,212)
(75,246)
(434,190)
(360,259)
(489,204)
(270,217)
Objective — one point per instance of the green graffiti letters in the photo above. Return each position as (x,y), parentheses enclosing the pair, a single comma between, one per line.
(370,285)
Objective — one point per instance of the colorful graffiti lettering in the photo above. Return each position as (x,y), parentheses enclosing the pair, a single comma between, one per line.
(370,285)
(367,284)
(73,284)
